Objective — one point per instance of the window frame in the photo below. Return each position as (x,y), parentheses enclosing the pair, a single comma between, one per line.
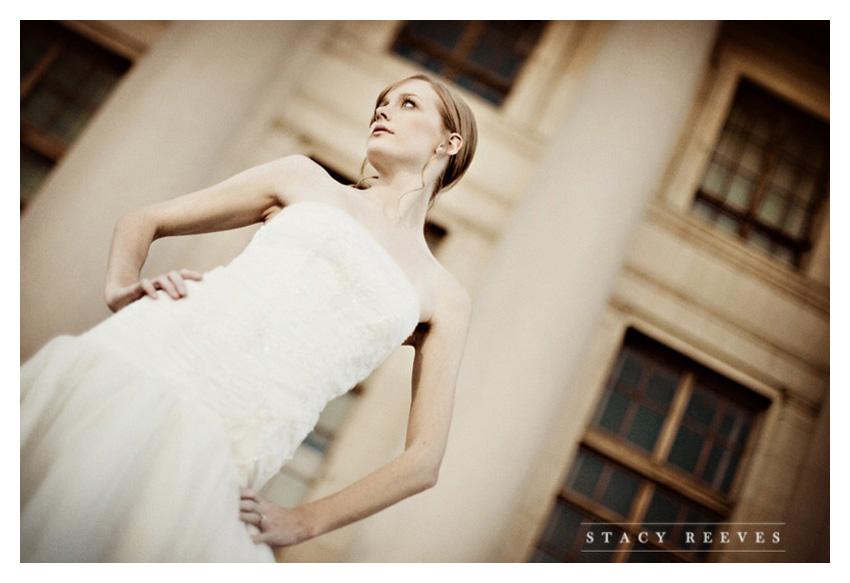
(36,139)
(456,61)
(791,80)
(652,467)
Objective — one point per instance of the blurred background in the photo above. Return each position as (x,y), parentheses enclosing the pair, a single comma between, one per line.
(644,233)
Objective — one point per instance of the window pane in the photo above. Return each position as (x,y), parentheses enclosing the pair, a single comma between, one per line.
(40,107)
(771,207)
(504,46)
(684,522)
(602,481)
(729,474)
(662,386)
(698,525)
(614,412)
(784,175)
(97,85)
(795,221)
(769,168)
(637,398)
(620,493)
(567,539)
(443,33)
(686,449)
(70,121)
(740,191)
(729,146)
(711,439)
(564,525)
(67,78)
(752,159)
(713,464)
(629,373)
(484,57)
(645,428)
(605,485)
(663,509)
(702,407)
(480,88)
(585,474)
(715,180)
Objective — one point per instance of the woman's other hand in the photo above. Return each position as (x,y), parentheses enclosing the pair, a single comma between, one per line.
(279,527)
(173,283)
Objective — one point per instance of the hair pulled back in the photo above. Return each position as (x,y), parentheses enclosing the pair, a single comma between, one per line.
(457,118)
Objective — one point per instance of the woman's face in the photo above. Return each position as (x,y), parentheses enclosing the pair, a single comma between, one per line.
(408,127)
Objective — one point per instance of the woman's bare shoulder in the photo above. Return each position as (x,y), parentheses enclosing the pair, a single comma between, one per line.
(300,178)
(453,302)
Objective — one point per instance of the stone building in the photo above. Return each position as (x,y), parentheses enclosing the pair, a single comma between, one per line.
(644,233)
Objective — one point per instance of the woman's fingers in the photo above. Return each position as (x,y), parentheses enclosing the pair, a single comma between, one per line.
(191,274)
(172,283)
(264,538)
(249,506)
(165,284)
(254,518)
(178,286)
(148,287)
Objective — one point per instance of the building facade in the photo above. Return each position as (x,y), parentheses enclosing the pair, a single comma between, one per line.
(644,233)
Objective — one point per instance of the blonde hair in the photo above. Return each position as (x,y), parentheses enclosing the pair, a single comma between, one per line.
(457,118)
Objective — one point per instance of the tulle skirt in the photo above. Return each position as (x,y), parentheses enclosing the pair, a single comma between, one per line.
(115,466)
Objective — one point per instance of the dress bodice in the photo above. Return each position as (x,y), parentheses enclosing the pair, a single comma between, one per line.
(311,306)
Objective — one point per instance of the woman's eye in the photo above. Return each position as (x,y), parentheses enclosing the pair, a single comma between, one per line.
(408,103)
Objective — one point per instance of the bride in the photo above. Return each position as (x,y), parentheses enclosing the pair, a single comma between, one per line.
(149,437)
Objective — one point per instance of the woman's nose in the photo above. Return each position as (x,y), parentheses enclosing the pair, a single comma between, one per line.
(382,113)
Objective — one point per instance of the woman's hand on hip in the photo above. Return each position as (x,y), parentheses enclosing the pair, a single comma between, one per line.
(172,283)
(279,527)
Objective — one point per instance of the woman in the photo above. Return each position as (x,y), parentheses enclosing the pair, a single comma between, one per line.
(148,437)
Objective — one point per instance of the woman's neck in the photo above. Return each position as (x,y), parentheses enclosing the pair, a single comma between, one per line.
(403,199)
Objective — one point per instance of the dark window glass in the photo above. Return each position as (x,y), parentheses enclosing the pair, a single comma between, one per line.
(637,398)
(768,175)
(711,438)
(664,423)
(484,57)
(64,80)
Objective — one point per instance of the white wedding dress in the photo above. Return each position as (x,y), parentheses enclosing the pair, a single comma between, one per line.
(136,435)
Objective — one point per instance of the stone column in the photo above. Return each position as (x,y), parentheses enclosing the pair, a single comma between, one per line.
(165,131)
(547,286)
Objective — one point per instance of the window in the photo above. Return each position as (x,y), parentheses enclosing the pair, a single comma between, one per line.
(484,57)
(768,175)
(64,79)
(665,448)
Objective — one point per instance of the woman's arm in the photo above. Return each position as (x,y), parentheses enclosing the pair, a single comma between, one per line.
(435,369)
(247,198)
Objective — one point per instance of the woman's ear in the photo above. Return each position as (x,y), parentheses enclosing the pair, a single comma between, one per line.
(455,142)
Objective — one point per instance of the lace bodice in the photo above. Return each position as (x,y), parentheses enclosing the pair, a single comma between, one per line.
(309,308)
